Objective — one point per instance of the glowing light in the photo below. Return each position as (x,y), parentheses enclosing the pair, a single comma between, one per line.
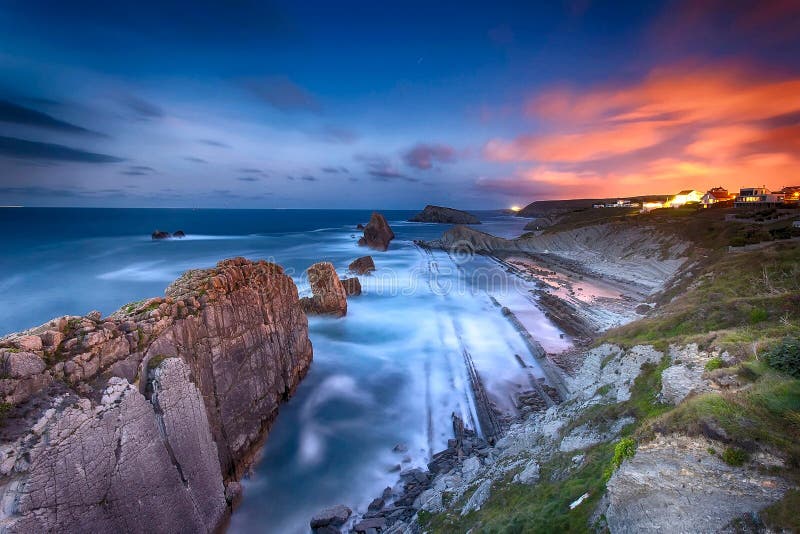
(515,208)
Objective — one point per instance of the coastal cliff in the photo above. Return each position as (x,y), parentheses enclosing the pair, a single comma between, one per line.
(146,420)
(440,214)
(644,256)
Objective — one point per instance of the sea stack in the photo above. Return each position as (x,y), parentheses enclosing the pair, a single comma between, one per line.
(377,233)
(145,417)
(440,214)
(329,296)
(362,265)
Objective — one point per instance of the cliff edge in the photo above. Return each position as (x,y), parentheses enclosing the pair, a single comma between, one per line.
(145,420)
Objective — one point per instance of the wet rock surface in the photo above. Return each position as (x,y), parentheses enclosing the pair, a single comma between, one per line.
(377,233)
(362,265)
(84,448)
(329,295)
(441,214)
(352,286)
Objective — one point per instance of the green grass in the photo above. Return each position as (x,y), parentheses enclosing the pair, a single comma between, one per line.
(739,298)
(625,448)
(540,508)
(735,457)
(5,409)
(767,414)
(714,363)
(783,516)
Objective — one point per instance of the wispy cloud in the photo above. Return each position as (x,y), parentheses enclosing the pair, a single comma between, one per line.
(34,150)
(16,114)
(138,170)
(423,156)
(194,159)
(143,109)
(380,168)
(283,94)
(214,143)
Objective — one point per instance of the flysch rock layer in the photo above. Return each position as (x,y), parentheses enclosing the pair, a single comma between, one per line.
(145,420)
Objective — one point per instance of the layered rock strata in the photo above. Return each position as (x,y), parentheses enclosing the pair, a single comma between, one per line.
(145,420)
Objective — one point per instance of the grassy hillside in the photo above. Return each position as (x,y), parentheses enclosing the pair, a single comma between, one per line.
(747,303)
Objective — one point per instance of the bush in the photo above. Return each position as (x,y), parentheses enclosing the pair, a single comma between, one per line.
(625,448)
(714,363)
(785,356)
(758,315)
(734,457)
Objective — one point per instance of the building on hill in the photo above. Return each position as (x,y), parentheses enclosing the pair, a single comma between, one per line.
(758,197)
(717,196)
(791,194)
(688,196)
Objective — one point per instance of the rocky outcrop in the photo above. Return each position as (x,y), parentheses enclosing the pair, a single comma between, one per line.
(352,286)
(159,234)
(329,520)
(329,296)
(362,265)
(440,214)
(377,233)
(675,484)
(144,420)
(635,255)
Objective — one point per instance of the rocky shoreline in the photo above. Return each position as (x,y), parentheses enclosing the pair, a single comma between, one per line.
(144,417)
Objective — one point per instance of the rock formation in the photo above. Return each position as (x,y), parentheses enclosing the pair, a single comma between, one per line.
(352,286)
(362,265)
(179,234)
(159,234)
(329,297)
(146,419)
(377,233)
(440,214)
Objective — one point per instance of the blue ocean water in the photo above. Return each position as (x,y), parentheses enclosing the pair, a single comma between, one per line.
(391,372)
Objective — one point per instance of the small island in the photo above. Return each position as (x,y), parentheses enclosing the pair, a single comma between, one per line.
(440,214)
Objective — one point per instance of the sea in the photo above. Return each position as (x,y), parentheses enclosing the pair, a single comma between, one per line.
(385,380)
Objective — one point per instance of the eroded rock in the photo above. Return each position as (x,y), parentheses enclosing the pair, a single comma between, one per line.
(377,233)
(329,296)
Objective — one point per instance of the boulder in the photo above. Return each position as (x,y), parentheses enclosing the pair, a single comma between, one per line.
(179,234)
(335,516)
(362,265)
(20,364)
(352,286)
(377,233)
(159,234)
(440,214)
(359,226)
(329,297)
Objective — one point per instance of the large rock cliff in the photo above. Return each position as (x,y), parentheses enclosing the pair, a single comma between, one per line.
(145,420)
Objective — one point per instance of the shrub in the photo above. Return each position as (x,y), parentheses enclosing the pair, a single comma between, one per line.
(758,315)
(734,457)
(625,448)
(714,363)
(785,356)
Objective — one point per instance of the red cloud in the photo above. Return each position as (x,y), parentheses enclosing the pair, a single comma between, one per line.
(674,129)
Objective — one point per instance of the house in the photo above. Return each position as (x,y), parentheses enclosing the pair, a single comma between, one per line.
(796,224)
(757,197)
(791,194)
(649,205)
(688,196)
(717,196)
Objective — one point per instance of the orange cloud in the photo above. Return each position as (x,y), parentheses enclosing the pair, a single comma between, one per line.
(674,129)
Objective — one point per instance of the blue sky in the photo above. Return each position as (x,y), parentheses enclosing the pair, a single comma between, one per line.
(383,105)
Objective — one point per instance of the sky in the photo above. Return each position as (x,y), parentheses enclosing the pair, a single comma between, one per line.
(245,104)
